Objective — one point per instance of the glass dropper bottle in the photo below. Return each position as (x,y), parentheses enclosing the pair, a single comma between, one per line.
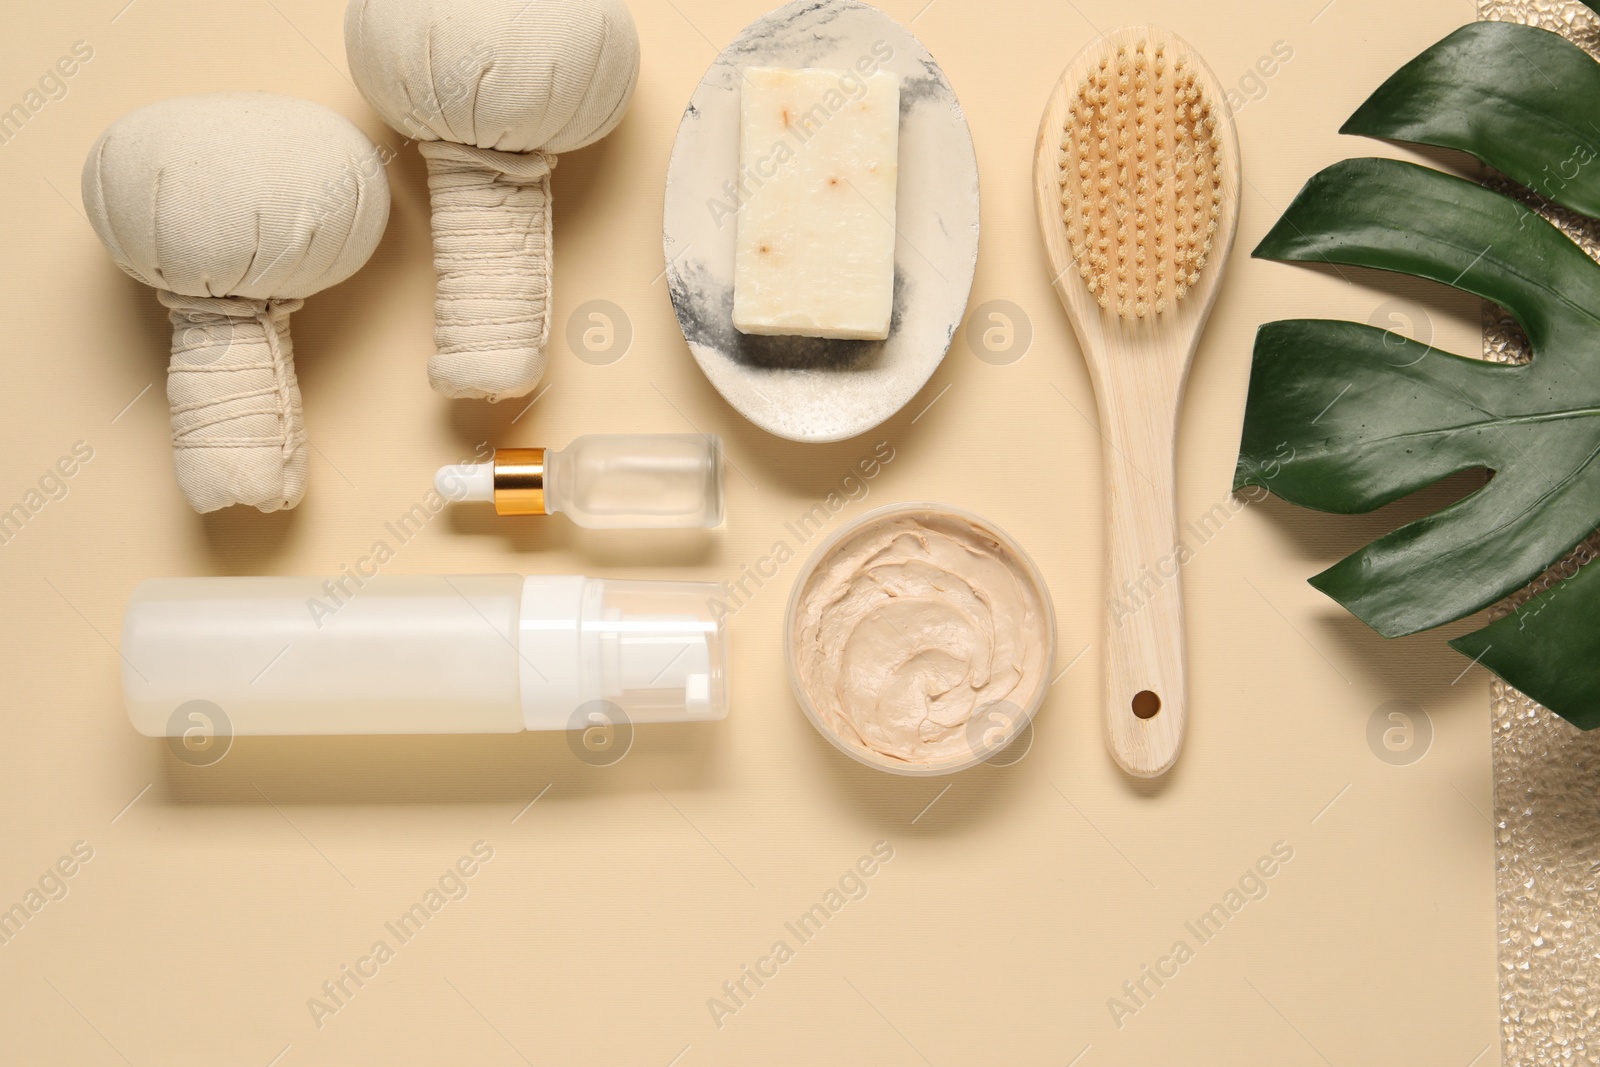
(601,481)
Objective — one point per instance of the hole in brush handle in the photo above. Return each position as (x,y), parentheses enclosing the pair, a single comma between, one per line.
(1146,705)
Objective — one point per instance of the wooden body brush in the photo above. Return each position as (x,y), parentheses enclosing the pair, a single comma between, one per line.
(1136,177)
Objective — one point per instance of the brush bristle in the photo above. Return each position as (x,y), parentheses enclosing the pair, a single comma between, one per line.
(1141,180)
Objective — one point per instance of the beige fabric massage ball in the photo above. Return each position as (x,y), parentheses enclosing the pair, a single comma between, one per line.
(493,90)
(235,207)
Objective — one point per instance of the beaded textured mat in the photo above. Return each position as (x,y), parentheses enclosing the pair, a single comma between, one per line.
(1546,773)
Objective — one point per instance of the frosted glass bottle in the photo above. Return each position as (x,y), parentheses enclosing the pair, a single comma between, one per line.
(602,481)
(637,481)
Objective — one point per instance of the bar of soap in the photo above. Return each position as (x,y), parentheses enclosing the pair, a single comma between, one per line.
(818,163)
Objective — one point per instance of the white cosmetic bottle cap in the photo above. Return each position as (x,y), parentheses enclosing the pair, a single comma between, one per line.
(463,482)
(650,648)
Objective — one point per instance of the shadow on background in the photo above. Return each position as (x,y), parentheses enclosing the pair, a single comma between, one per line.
(1421,667)
(439,769)
(1322,538)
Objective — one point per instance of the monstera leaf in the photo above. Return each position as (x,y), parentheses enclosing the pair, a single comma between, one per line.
(1550,649)
(1346,418)
(1490,89)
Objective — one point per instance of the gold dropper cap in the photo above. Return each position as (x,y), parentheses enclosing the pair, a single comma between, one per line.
(519,481)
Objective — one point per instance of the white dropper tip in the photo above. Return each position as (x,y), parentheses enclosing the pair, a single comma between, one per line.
(466,481)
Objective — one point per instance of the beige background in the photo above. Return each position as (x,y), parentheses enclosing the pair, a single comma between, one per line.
(218,900)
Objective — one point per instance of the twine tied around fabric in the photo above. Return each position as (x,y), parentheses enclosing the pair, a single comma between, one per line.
(238,433)
(492,253)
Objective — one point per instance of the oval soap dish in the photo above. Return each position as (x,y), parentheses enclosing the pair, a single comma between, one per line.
(806,388)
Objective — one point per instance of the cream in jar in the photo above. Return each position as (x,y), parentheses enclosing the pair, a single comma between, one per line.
(915,629)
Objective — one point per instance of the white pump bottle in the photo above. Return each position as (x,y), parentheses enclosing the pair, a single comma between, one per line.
(409,654)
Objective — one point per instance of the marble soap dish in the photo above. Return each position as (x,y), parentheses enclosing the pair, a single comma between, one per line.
(805,388)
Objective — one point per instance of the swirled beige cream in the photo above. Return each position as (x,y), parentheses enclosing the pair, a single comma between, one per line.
(911,632)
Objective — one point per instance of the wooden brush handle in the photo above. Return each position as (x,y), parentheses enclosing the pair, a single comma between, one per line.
(1146,694)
